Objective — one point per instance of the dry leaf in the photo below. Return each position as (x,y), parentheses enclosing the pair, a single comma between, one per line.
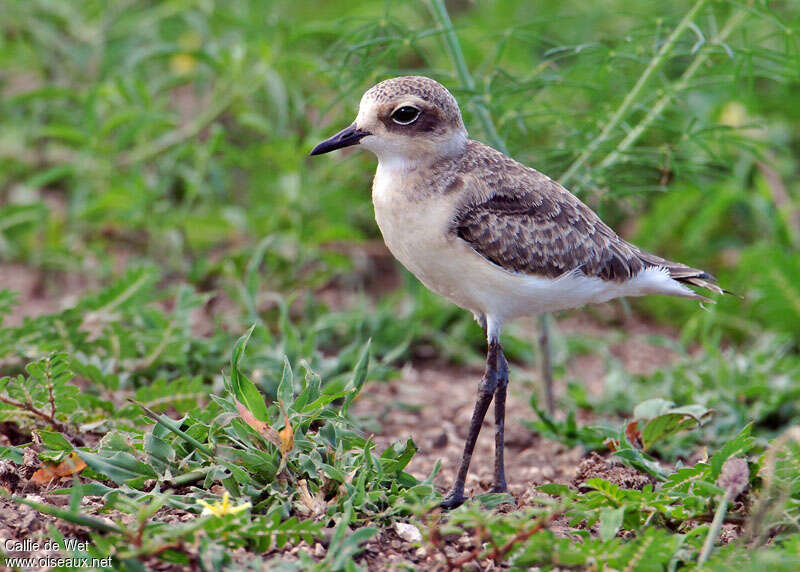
(286,435)
(310,505)
(633,434)
(268,432)
(68,467)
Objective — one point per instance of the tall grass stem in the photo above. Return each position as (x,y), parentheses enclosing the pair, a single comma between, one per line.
(442,17)
(713,531)
(682,83)
(633,94)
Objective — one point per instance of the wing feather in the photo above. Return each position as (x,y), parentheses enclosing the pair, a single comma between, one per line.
(525,222)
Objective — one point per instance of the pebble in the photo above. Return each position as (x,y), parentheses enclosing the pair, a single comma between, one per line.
(440,441)
(408,532)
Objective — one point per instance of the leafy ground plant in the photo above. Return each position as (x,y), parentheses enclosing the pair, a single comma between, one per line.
(602,525)
(241,472)
(248,472)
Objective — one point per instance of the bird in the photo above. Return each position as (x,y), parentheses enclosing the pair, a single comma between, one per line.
(497,238)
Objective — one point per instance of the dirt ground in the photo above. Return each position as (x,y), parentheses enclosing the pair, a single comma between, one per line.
(430,402)
(433,405)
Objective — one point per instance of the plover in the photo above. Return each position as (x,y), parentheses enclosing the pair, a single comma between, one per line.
(495,237)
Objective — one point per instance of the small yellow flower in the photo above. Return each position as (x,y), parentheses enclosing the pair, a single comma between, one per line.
(182,64)
(734,114)
(223,508)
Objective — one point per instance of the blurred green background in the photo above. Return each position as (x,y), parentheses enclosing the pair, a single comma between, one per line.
(157,199)
(175,135)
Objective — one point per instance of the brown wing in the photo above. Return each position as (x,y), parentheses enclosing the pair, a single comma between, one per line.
(525,222)
(540,235)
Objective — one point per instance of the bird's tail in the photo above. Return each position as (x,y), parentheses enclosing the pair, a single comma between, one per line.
(685,274)
(703,280)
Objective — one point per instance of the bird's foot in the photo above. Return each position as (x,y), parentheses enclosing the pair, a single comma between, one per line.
(499,488)
(454,499)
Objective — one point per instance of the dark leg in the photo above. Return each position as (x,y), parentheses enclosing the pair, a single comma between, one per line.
(486,390)
(500,422)
(547,367)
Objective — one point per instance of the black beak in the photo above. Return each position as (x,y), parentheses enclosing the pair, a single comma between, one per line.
(345,138)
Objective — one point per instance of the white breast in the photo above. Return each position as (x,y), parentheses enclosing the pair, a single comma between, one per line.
(415,229)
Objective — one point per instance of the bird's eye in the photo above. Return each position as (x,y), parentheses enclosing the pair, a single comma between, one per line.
(405,115)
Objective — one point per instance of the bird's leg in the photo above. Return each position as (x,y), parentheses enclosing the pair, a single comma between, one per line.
(486,389)
(547,366)
(500,421)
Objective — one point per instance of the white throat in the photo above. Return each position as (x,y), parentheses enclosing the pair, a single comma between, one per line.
(405,156)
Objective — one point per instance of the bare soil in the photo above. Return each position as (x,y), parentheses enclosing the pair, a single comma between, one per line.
(39,292)
(432,404)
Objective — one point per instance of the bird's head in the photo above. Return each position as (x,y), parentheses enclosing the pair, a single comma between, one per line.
(408,118)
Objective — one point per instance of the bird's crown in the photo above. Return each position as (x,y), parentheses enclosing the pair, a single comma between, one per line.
(429,91)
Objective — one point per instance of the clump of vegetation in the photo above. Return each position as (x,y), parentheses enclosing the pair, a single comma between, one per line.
(285,471)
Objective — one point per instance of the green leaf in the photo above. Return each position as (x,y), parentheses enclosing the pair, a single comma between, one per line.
(652,408)
(610,491)
(87,489)
(610,522)
(663,419)
(343,546)
(394,458)
(663,426)
(120,468)
(245,390)
(739,445)
(8,299)
(159,449)
(492,500)
(642,461)
(685,477)
(54,441)
(113,442)
(556,489)
(14,454)
(122,292)
(69,516)
(286,385)
(174,427)
(567,431)
(359,376)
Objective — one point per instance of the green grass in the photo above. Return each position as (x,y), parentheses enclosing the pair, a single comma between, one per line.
(155,154)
